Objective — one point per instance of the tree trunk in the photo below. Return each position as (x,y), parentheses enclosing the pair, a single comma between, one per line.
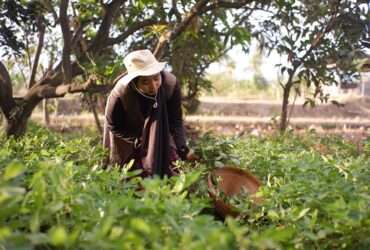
(284,108)
(92,107)
(45,110)
(16,127)
(16,124)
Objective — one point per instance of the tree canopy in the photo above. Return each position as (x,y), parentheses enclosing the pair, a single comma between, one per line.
(71,46)
(78,46)
(318,41)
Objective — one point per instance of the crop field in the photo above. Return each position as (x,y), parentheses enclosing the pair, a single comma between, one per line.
(55,194)
(274,97)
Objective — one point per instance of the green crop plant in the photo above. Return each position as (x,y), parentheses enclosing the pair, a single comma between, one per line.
(55,194)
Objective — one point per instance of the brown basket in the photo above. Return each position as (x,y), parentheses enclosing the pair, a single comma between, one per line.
(232,181)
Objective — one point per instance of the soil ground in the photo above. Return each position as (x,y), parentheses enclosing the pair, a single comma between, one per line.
(347,108)
(257,117)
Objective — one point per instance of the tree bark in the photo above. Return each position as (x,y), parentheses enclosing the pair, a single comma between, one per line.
(92,107)
(38,53)
(7,102)
(284,108)
(64,24)
(18,125)
(14,124)
(101,39)
(45,110)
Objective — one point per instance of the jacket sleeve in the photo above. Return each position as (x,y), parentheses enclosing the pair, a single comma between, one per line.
(115,116)
(176,121)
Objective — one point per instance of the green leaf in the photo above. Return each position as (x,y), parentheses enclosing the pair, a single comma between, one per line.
(4,233)
(8,192)
(279,234)
(180,184)
(273,215)
(302,213)
(140,225)
(13,170)
(58,235)
(35,223)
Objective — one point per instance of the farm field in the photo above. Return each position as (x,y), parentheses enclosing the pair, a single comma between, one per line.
(55,193)
(266,103)
(231,116)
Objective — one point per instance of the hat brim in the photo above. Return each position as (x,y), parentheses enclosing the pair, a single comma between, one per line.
(147,71)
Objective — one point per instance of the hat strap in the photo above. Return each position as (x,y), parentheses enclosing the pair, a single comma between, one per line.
(147,96)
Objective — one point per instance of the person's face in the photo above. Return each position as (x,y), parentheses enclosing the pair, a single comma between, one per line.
(149,84)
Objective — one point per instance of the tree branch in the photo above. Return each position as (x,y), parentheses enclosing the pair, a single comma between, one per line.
(102,35)
(7,102)
(174,11)
(38,52)
(27,48)
(198,9)
(64,24)
(132,29)
(90,86)
(226,5)
(318,39)
(170,35)
(54,77)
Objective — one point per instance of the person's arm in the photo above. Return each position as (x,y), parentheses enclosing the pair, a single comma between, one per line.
(176,122)
(115,116)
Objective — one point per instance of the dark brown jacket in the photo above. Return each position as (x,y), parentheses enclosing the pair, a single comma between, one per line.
(130,116)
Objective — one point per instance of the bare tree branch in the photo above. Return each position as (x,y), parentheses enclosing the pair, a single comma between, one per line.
(174,11)
(77,35)
(132,29)
(90,86)
(21,71)
(64,24)
(49,6)
(102,35)
(54,77)
(179,28)
(7,102)
(226,5)
(38,52)
(27,49)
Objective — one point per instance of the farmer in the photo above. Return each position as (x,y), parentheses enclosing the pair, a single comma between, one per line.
(143,117)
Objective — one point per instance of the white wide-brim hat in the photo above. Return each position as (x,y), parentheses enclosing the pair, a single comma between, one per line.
(140,63)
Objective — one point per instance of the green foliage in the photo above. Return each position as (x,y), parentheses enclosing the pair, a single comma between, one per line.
(319,39)
(207,40)
(54,194)
(316,192)
(318,42)
(14,16)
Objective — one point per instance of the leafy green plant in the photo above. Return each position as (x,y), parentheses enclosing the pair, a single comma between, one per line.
(54,194)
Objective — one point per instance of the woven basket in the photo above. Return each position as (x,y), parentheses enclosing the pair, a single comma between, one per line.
(232,181)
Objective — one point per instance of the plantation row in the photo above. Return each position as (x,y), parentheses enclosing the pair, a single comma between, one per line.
(54,193)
